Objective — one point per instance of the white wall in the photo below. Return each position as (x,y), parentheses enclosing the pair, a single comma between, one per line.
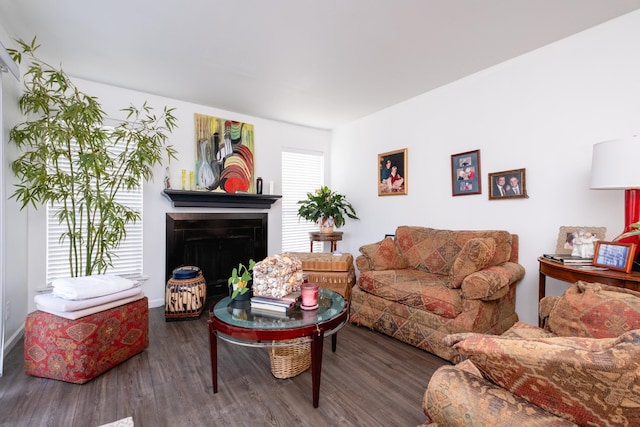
(271,137)
(542,111)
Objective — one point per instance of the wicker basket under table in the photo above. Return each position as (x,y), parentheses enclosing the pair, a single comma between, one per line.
(292,360)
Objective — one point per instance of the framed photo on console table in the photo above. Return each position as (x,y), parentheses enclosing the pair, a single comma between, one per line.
(614,255)
(392,173)
(465,173)
(568,234)
(508,185)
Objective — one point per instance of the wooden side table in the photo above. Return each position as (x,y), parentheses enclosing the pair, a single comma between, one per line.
(316,236)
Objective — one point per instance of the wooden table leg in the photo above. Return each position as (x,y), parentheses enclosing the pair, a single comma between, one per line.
(213,348)
(316,365)
(542,283)
(334,342)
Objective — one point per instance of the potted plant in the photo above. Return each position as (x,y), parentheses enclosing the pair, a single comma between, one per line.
(70,159)
(239,281)
(326,208)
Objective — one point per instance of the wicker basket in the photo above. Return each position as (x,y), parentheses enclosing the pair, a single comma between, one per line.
(185,294)
(289,361)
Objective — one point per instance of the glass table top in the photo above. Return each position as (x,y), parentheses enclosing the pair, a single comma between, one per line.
(238,313)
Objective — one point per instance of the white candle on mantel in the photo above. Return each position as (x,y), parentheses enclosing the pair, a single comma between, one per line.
(271,190)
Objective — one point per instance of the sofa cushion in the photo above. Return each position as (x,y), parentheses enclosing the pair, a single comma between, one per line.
(594,310)
(435,251)
(413,288)
(476,254)
(384,255)
(521,330)
(585,380)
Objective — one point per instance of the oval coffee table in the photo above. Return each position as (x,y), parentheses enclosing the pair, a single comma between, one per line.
(233,321)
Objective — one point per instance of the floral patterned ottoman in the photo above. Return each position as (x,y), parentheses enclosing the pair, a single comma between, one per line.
(77,351)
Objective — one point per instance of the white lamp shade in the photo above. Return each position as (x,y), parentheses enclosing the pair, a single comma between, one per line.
(613,165)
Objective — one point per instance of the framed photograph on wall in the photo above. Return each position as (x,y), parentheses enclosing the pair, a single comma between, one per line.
(392,173)
(465,173)
(614,255)
(508,184)
(568,234)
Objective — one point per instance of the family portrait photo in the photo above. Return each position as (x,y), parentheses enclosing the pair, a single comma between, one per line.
(507,184)
(392,173)
(465,173)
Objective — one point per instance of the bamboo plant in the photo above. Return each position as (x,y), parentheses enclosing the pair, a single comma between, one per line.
(69,157)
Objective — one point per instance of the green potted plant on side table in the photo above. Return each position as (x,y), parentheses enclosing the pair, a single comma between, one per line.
(326,208)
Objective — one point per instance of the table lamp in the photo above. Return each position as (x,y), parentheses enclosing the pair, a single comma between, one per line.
(613,168)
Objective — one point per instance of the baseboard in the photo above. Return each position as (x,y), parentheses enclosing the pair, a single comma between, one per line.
(156,303)
(13,339)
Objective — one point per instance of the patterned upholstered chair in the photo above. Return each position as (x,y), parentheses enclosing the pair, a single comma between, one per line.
(581,368)
(428,283)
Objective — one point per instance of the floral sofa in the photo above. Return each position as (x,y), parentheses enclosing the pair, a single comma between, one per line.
(427,283)
(581,368)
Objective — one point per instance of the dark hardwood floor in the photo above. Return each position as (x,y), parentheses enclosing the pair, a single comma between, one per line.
(371,380)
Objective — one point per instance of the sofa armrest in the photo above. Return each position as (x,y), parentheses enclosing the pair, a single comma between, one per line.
(491,283)
(383,255)
(363,263)
(455,394)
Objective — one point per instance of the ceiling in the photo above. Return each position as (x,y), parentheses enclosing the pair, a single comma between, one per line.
(318,63)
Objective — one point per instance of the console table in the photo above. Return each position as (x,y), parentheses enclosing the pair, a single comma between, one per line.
(572,274)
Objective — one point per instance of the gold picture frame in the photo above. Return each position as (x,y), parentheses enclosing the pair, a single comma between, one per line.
(566,235)
(392,173)
(511,184)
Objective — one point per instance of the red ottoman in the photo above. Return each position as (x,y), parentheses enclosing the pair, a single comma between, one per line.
(79,350)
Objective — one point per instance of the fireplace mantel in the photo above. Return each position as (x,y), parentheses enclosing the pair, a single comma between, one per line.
(209,199)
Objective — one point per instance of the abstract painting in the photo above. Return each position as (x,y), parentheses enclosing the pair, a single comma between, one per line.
(224,155)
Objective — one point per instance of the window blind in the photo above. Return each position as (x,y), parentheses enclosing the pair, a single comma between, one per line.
(127,258)
(302,173)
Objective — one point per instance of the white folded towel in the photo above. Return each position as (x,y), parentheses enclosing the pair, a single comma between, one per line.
(64,305)
(98,285)
(73,315)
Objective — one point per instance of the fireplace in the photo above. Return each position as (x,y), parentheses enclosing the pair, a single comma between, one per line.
(216,243)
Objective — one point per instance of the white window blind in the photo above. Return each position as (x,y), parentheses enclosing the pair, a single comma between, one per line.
(302,173)
(127,259)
